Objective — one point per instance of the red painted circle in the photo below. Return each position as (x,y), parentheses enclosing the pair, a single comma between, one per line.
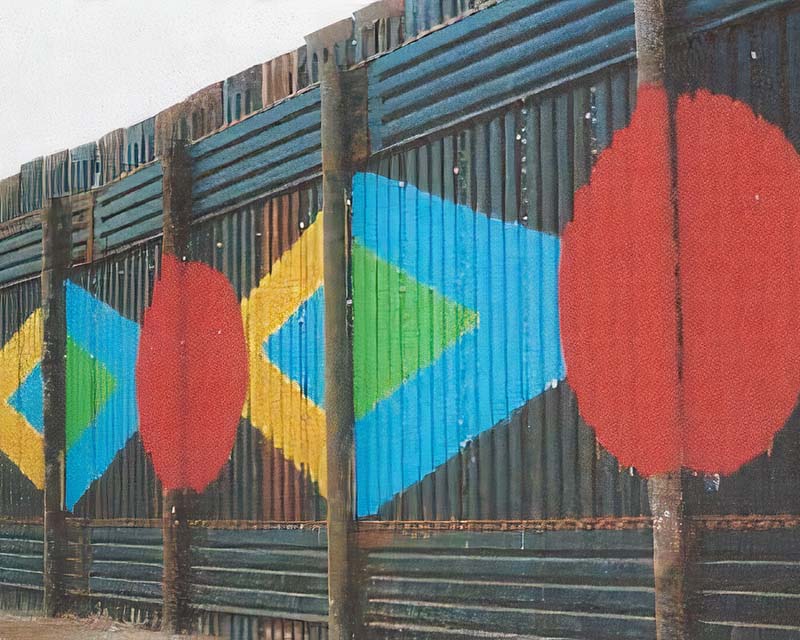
(739,252)
(191,374)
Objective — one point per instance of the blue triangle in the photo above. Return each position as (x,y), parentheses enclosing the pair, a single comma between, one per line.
(298,347)
(113,340)
(27,399)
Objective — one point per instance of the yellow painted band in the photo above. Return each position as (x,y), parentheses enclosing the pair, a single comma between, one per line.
(276,405)
(19,441)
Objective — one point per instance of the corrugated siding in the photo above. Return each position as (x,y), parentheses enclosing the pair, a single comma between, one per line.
(129,209)
(56,175)
(260,482)
(264,573)
(755,61)
(498,54)
(520,166)
(9,197)
(21,249)
(139,144)
(85,167)
(379,36)
(524,165)
(280,78)
(82,227)
(266,152)
(31,185)
(564,584)
(21,565)
(752,61)
(503,52)
(247,584)
(128,488)
(749,584)
(19,495)
(242,627)
(241,94)
(125,563)
(423,15)
(112,155)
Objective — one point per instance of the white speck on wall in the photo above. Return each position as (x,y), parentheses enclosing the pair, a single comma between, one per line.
(73,70)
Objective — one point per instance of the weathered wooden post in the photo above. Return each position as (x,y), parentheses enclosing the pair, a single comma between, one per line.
(176,509)
(56,261)
(344,146)
(671,535)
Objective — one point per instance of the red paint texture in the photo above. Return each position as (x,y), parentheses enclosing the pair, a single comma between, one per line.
(191,374)
(738,208)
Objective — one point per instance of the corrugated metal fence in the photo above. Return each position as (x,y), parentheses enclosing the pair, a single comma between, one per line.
(490,123)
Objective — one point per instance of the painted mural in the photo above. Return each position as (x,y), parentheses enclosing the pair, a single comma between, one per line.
(281,323)
(448,340)
(101,402)
(666,389)
(21,420)
(191,374)
(471,340)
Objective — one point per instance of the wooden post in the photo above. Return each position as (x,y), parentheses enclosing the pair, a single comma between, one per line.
(671,534)
(344,145)
(177,504)
(56,261)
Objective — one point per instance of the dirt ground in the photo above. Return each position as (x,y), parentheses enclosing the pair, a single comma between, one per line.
(97,628)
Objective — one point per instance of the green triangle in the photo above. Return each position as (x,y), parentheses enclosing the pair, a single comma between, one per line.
(399,327)
(89,385)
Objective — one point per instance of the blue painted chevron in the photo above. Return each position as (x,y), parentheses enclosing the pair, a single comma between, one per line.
(114,340)
(505,272)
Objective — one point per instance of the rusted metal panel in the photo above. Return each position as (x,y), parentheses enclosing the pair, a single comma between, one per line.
(242,627)
(85,168)
(82,227)
(111,148)
(344,51)
(241,94)
(191,119)
(57,175)
(139,144)
(9,197)
(424,15)
(378,28)
(280,78)
(31,185)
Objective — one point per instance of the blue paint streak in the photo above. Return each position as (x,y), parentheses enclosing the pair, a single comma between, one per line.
(27,399)
(512,356)
(298,347)
(114,341)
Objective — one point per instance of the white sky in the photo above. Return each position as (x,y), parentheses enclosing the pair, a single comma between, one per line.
(72,70)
